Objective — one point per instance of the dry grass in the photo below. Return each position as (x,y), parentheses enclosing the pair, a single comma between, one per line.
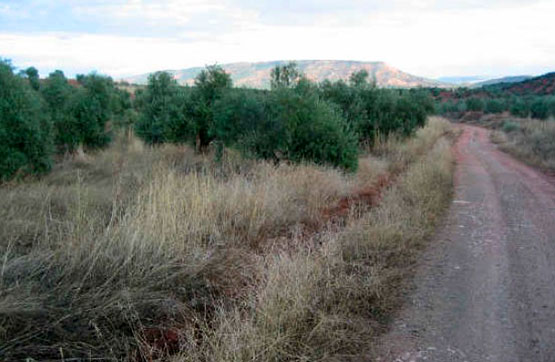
(328,303)
(110,253)
(532,141)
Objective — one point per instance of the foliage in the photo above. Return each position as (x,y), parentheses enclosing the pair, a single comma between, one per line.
(494,106)
(359,79)
(509,126)
(530,98)
(292,124)
(285,76)
(297,120)
(59,95)
(123,116)
(92,108)
(371,111)
(210,85)
(519,108)
(539,108)
(25,135)
(475,104)
(32,74)
(161,114)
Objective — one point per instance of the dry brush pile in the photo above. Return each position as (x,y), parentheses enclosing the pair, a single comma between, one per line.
(157,253)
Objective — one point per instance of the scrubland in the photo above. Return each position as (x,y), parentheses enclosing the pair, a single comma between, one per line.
(157,253)
(532,141)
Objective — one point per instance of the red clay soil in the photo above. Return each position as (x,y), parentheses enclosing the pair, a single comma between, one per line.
(366,197)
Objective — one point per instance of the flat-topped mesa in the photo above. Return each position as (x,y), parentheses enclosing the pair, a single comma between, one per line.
(257,75)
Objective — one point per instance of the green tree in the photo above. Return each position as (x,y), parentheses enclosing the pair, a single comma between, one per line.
(539,108)
(285,76)
(551,106)
(124,116)
(494,106)
(475,104)
(519,107)
(25,132)
(304,127)
(32,74)
(359,79)
(58,94)
(210,85)
(160,110)
(92,109)
(238,115)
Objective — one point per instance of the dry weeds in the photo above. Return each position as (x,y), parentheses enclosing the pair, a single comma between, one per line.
(139,252)
(532,141)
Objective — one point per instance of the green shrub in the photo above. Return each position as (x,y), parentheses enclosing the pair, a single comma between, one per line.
(122,114)
(59,96)
(475,104)
(519,108)
(371,111)
(286,124)
(285,76)
(92,109)
(539,108)
(494,106)
(162,118)
(325,138)
(25,130)
(210,85)
(551,106)
(509,126)
(240,115)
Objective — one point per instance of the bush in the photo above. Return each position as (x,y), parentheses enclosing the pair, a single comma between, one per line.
(324,138)
(509,126)
(286,124)
(519,108)
(539,108)
(475,104)
(494,106)
(239,116)
(59,96)
(25,130)
(162,117)
(92,108)
(371,111)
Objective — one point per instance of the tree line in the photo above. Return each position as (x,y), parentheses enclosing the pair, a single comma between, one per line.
(296,120)
(457,102)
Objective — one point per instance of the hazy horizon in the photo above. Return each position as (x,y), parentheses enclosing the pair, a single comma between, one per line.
(426,38)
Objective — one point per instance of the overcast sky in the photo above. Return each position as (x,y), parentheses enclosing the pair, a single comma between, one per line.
(430,38)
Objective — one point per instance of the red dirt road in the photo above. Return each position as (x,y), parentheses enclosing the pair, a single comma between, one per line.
(485,289)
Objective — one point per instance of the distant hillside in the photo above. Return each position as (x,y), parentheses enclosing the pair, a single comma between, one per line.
(257,75)
(513,79)
(542,85)
(463,80)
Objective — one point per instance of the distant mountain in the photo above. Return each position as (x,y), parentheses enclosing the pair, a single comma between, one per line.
(463,80)
(257,75)
(542,85)
(512,79)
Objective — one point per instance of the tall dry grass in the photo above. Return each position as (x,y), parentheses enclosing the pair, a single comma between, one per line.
(532,141)
(108,253)
(330,302)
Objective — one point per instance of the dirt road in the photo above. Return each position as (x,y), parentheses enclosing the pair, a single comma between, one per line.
(486,288)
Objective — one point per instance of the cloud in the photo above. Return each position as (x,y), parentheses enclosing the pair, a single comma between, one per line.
(425,37)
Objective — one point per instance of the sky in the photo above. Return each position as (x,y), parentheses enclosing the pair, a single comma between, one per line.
(429,38)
